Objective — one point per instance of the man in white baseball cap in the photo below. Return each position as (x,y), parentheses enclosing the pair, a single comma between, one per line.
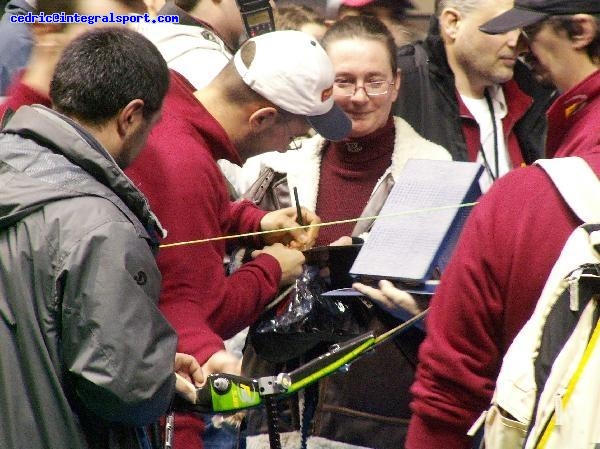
(276,87)
(291,70)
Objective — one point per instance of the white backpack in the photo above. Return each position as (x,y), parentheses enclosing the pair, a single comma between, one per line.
(558,347)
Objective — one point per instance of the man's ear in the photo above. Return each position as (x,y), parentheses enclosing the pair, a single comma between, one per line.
(130,117)
(584,28)
(262,119)
(450,22)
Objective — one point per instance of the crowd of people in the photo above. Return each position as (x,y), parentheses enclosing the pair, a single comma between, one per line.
(125,156)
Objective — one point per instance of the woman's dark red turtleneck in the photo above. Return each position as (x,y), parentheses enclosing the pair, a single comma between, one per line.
(349,171)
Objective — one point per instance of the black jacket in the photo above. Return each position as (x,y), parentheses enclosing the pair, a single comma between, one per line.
(428,99)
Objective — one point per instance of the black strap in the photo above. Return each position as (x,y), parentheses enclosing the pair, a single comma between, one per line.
(493,175)
(273,422)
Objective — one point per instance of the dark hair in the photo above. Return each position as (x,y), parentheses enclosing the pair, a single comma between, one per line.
(187,5)
(104,69)
(56,6)
(572,29)
(235,90)
(293,17)
(396,8)
(363,27)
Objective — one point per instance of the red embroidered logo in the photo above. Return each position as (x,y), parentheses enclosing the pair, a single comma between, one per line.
(572,105)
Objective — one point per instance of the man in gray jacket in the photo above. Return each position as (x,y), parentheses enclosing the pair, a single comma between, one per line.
(86,357)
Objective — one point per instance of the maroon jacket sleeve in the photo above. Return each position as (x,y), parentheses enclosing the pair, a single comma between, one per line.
(488,291)
(187,192)
(19,94)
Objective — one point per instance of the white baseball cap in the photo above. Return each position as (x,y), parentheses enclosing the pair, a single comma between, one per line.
(292,71)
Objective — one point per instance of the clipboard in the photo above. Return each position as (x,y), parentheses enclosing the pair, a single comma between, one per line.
(419,224)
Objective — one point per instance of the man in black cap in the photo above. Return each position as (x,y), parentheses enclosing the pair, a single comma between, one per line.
(491,285)
(484,103)
(530,12)
(562,46)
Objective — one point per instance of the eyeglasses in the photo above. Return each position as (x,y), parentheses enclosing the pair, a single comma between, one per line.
(371,88)
(529,32)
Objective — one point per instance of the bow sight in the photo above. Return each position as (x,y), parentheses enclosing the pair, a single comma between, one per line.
(228,393)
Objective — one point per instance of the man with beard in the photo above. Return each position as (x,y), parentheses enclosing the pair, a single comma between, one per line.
(505,252)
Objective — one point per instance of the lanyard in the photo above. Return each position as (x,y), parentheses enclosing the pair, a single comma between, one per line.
(494,175)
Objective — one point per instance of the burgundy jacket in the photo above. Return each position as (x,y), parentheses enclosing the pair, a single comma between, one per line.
(489,289)
(178,173)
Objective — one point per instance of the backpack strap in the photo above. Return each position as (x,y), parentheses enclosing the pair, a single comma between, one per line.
(578,185)
(566,395)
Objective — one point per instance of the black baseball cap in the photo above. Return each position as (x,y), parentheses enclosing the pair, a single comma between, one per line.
(528,12)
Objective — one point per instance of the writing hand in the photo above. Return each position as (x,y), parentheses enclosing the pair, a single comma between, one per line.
(287,218)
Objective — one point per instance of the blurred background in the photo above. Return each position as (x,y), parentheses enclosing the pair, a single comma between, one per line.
(418,15)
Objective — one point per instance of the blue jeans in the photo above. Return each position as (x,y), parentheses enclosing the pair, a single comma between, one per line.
(225,437)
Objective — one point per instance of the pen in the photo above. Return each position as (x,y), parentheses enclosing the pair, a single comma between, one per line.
(299,218)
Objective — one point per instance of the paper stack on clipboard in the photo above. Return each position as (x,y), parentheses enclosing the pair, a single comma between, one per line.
(411,241)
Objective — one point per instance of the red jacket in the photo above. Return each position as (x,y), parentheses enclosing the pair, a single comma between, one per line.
(19,94)
(178,173)
(518,103)
(489,289)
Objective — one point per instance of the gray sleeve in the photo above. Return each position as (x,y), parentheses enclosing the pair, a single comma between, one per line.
(117,346)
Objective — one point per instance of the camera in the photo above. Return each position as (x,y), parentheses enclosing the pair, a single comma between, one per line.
(257,16)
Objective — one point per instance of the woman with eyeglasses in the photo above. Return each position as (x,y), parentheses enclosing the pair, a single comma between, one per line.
(368,406)
(338,179)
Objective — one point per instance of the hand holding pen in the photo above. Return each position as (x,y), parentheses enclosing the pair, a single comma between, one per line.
(289,219)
